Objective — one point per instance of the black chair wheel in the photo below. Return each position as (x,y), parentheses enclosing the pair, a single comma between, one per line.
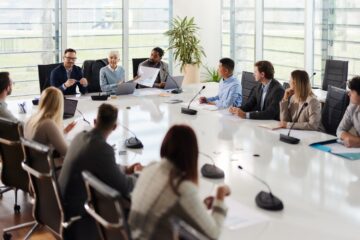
(17,208)
(6,236)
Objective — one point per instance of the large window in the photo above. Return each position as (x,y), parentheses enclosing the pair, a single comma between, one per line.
(31,33)
(335,27)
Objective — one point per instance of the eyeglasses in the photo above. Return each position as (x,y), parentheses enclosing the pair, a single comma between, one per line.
(70,58)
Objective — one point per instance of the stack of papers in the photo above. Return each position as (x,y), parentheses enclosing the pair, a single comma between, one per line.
(198,106)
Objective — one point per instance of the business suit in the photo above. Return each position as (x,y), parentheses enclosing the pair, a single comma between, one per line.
(270,109)
(89,151)
(310,117)
(59,76)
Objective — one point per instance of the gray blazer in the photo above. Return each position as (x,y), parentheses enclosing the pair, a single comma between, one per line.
(310,117)
(350,120)
(89,151)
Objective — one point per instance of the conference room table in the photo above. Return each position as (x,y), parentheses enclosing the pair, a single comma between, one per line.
(320,191)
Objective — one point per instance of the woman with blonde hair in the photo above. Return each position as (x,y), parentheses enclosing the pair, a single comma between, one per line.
(112,75)
(299,97)
(46,125)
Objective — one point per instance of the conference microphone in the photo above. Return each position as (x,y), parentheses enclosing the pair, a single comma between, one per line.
(210,170)
(265,200)
(287,138)
(132,142)
(178,89)
(83,117)
(188,110)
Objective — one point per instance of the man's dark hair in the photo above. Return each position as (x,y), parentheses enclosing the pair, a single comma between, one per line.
(228,63)
(159,51)
(106,117)
(69,50)
(4,81)
(354,84)
(266,67)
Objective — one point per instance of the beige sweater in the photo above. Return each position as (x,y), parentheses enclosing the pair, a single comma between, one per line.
(47,133)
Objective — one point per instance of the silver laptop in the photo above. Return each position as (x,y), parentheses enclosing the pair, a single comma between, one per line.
(170,84)
(126,88)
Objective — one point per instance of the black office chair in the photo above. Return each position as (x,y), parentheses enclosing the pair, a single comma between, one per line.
(135,64)
(87,71)
(44,72)
(12,175)
(94,83)
(286,85)
(104,205)
(336,74)
(248,83)
(48,207)
(333,111)
(184,231)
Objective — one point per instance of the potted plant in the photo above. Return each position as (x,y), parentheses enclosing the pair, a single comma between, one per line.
(184,41)
(211,75)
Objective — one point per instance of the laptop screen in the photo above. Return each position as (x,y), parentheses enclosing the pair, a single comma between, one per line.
(70,107)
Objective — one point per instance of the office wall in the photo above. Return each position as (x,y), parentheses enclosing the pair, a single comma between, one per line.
(207,15)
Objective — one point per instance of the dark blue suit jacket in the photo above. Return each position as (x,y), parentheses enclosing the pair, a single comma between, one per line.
(58,77)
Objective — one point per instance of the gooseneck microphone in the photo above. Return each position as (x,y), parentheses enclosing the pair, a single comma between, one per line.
(287,138)
(210,170)
(188,110)
(132,142)
(265,200)
(178,89)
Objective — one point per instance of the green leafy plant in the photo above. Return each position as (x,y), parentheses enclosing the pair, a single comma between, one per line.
(184,42)
(211,75)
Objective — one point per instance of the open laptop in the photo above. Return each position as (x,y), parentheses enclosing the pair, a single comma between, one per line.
(170,84)
(126,88)
(69,108)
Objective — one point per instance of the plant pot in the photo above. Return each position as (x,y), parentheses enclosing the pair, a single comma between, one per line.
(191,74)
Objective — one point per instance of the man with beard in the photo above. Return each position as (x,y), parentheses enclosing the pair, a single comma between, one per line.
(155,62)
(5,90)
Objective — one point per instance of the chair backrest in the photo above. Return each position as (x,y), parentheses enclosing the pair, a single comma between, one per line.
(44,72)
(184,231)
(333,111)
(336,74)
(91,71)
(39,164)
(12,155)
(104,205)
(135,64)
(286,85)
(248,83)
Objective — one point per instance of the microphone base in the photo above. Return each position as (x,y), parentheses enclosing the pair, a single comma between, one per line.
(188,111)
(211,171)
(177,91)
(134,143)
(268,201)
(289,139)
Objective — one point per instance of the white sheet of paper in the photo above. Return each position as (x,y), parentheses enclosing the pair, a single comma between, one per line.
(240,216)
(271,126)
(196,105)
(340,148)
(147,76)
(147,91)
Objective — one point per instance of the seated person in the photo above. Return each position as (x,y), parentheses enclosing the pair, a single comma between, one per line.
(112,75)
(229,87)
(67,75)
(90,151)
(155,62)
(264,101)
(170,188)
(5,90)
(293,101)
(46,125)
(349,127)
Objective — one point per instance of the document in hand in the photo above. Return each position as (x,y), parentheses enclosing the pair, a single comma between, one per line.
(147,76)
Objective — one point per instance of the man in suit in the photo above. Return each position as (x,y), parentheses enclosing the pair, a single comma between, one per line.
(90,151)
(155,62)
(67,75)
(264,100)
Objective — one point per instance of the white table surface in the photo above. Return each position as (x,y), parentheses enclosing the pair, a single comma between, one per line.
(320,191)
